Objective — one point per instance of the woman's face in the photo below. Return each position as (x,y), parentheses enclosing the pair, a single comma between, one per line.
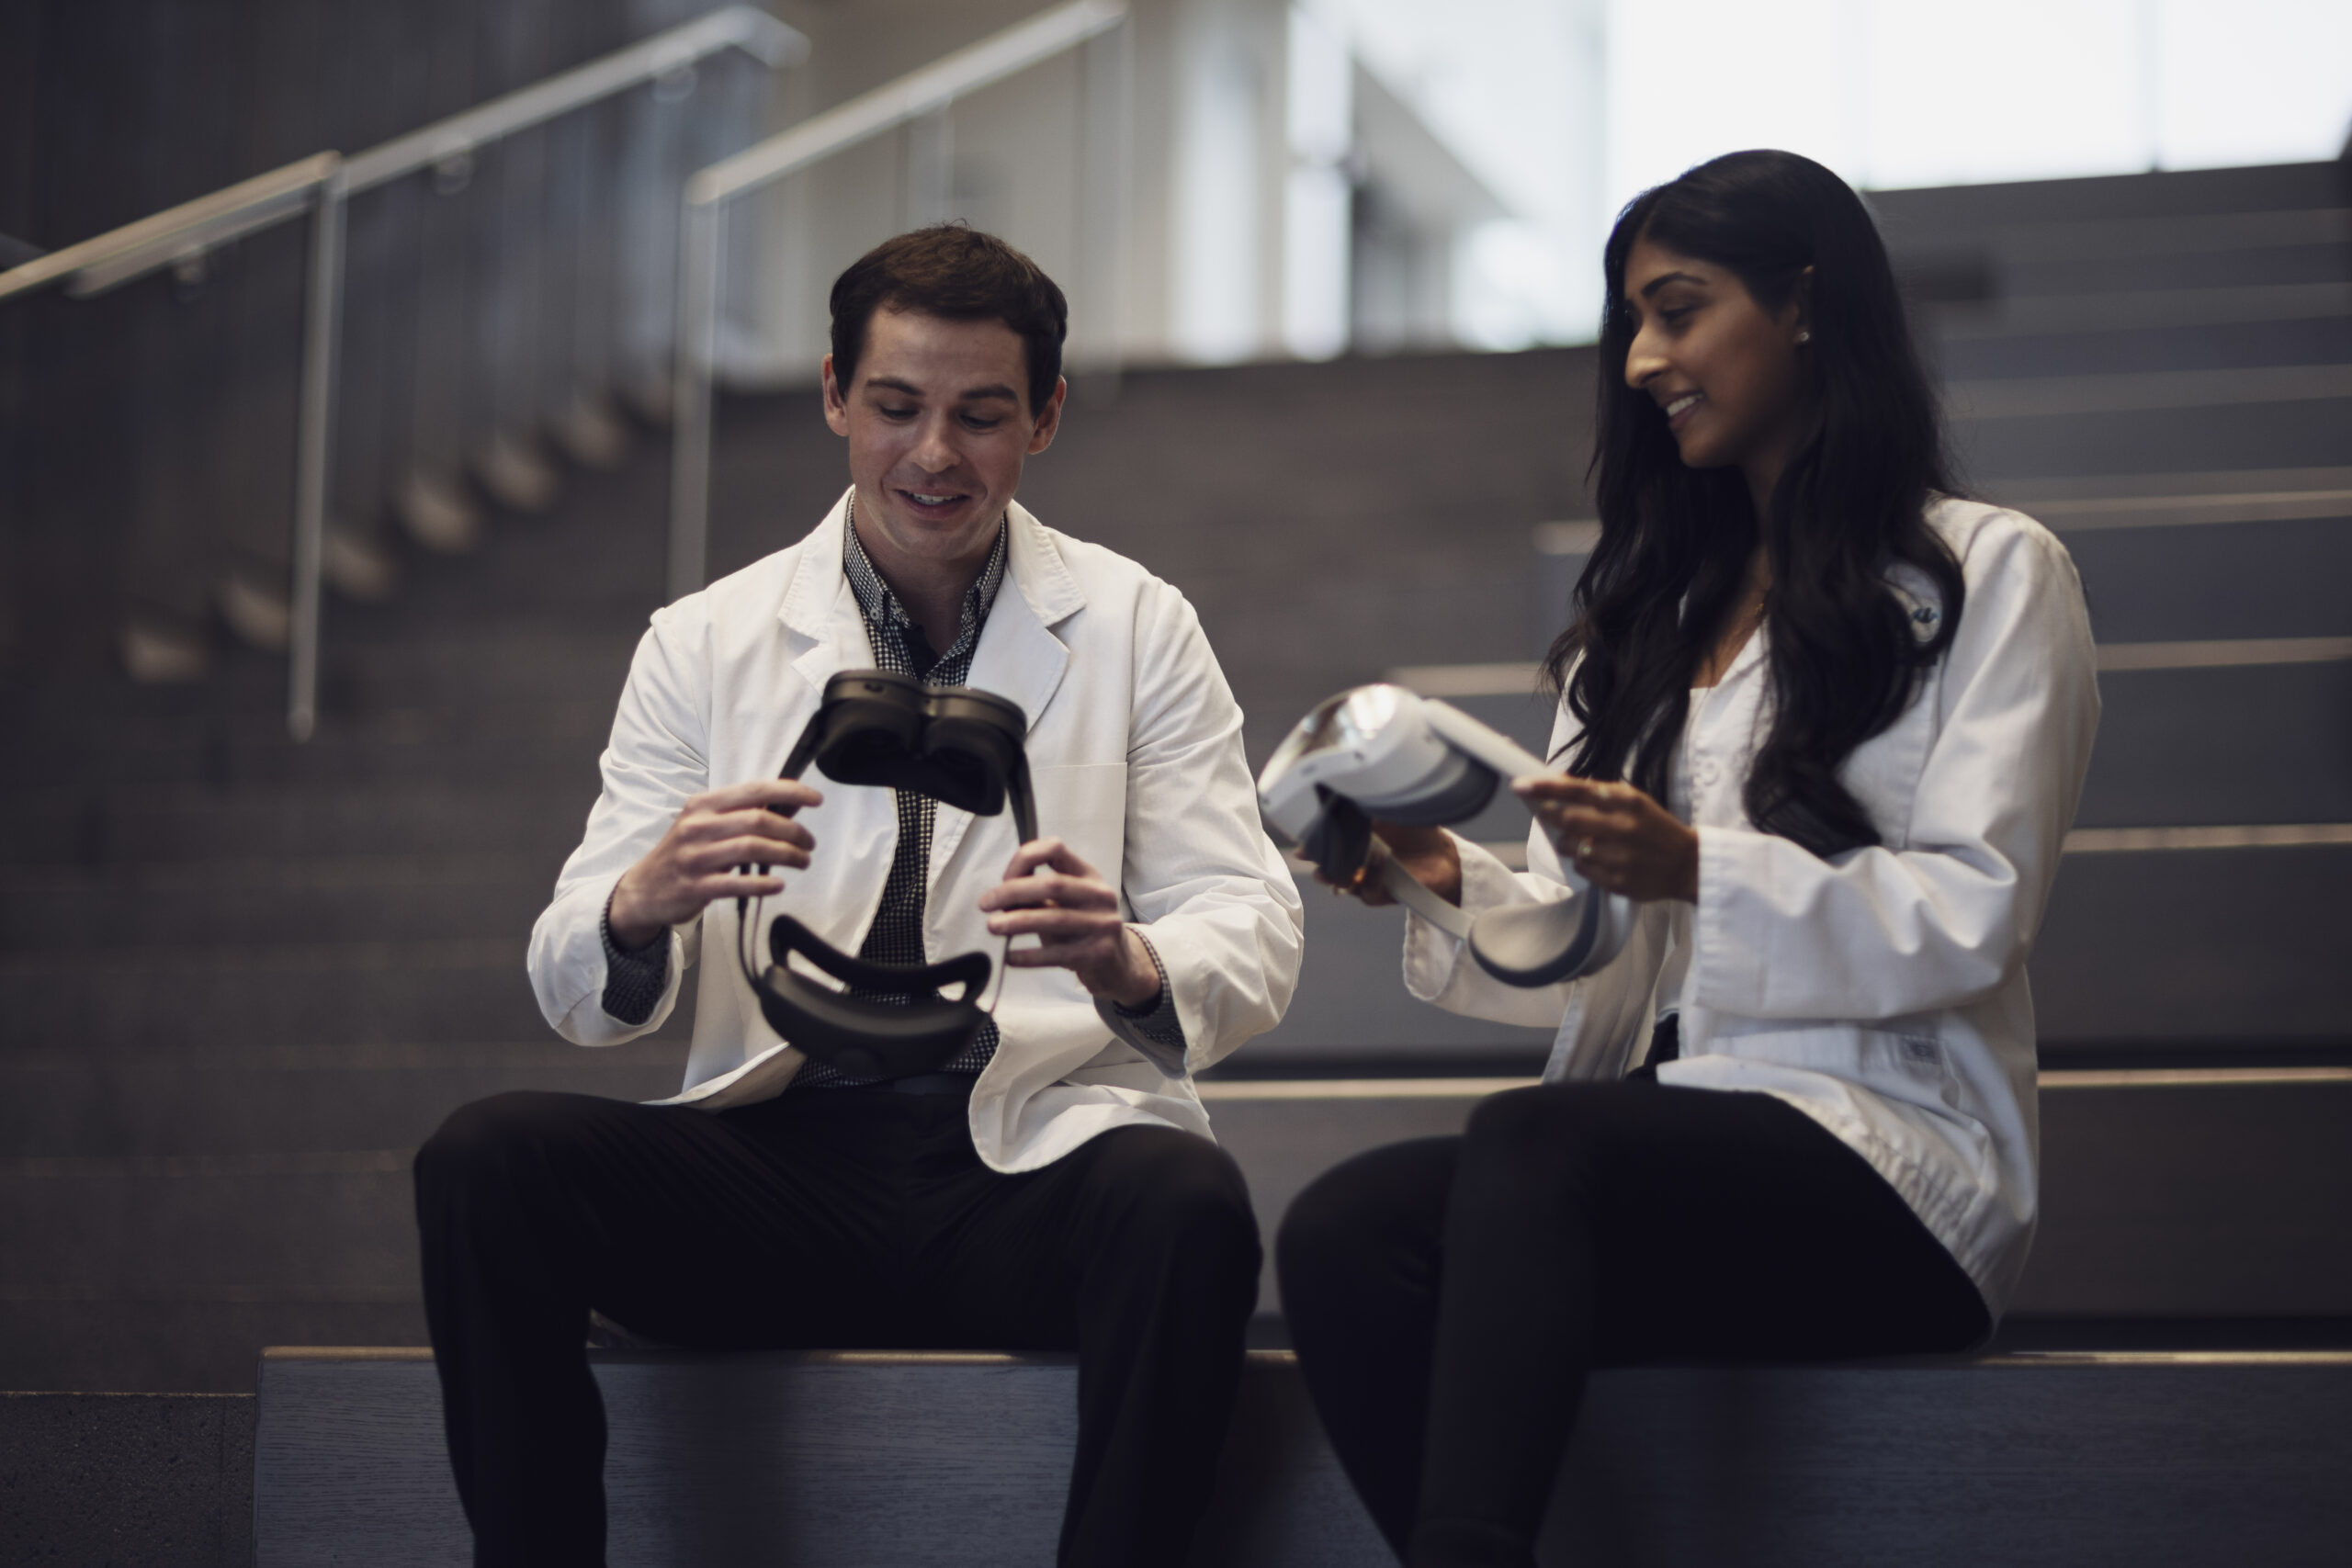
(1728,375)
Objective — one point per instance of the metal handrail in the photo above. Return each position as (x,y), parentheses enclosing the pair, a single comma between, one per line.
(136,249)
(319,184)
(911,98)
(121,255)
(753,31)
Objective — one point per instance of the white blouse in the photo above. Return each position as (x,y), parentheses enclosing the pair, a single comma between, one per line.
(1675,968)
(1881,991)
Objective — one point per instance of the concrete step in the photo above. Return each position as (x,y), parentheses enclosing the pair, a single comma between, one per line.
(308,994)
(2163,1461)
(2283,726)
(127,1481)
(357,897)
(2165,1195)
(2192,955)
(519,744)
(2169,1198)
(2316,254)
(2192,951)
(2285,729)
(2109,316)
(2214,581)
(2090,349)
(390,667)
(133,824)
(2163,558)
(2076,211)
(161,1340)
(2281,433)
(245,1102)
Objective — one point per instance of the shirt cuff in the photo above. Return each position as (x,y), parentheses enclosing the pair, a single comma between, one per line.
(1155,1033)
(634,981)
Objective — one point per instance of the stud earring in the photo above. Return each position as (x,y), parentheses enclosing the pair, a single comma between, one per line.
(1805,336)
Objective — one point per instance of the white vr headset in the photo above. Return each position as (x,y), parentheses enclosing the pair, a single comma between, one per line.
(1384,751)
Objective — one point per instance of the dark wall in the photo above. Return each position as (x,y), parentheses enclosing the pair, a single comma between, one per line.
(149,434)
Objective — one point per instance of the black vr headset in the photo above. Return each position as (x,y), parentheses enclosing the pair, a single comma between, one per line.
(957,745)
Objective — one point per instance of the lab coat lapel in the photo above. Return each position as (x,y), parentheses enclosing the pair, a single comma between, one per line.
(1019,657)
(820,610)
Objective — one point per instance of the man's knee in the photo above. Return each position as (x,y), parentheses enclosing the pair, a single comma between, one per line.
(478,1140)
(1189,1192)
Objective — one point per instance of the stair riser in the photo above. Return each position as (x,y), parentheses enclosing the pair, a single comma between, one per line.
(2306,434)
(120,824)
(103,917)
(2201,950)
(2235,346)
(170,1106)
(2283,726)
(323,999)
(520,750)
(1947,1465)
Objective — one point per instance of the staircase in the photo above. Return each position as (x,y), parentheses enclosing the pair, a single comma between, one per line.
(242,979)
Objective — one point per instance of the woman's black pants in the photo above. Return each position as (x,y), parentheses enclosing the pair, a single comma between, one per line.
(1447,1296)
(836,1218)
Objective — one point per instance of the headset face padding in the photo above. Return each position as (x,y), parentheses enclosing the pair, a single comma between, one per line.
(961,747)
(860,1035)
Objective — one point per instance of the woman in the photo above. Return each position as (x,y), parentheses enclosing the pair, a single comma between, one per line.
(1827,724)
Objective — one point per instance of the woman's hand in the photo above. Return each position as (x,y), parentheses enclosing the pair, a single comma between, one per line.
(1617,837)
(1427,853)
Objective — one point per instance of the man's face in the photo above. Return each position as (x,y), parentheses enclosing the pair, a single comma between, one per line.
(938,425)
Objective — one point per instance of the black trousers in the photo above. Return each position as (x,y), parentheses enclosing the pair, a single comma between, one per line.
(1447,1296)
(836,1218)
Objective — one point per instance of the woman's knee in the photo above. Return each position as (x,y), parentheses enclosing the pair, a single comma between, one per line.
(1537,1114)
(1545,1125)
(1360,1206)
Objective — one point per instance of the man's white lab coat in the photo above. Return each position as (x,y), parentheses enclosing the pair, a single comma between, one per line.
(1135,746)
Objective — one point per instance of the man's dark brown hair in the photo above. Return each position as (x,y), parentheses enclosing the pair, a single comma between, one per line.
(960,274)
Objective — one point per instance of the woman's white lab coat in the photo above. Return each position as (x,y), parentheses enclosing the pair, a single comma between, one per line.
(1882,992)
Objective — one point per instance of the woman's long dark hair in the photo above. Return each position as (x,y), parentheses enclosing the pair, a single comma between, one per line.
(1675,540)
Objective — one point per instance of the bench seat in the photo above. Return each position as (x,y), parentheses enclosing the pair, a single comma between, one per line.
(887,1460)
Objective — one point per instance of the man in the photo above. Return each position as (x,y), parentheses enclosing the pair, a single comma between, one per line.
(1054,1185)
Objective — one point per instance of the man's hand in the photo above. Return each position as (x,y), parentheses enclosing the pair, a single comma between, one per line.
(696,862)
(1616,837)
(1049,892)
